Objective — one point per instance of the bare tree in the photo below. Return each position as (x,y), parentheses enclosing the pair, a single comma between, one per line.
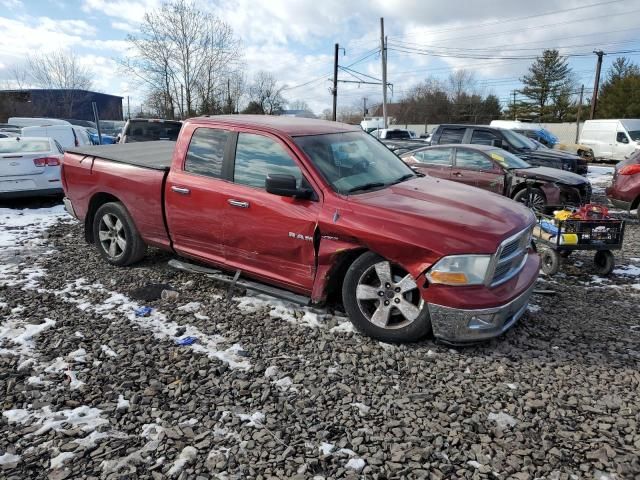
(60,70)
(299,105)
(265,93)
(188,54)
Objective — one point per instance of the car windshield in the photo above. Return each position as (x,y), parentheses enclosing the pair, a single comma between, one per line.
(634,134)
(519,141)
(24,146)
(146,131)
(111,127)
(354,162)
(507,160)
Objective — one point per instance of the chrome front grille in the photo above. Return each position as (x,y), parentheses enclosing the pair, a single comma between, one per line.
(510,257)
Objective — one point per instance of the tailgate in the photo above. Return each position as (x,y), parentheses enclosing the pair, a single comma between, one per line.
(12,164)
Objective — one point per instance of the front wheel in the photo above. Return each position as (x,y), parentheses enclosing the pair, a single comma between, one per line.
(116,236)
(383,301)
(533,198)
(550,260)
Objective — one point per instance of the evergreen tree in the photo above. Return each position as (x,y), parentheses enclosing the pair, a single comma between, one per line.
(620,93)
(549,78)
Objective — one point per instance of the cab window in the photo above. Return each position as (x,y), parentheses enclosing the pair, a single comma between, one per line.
(257,156)
(437,156)
(472,160)
(205,155)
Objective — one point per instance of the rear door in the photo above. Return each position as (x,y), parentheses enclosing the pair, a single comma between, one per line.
(436,162)
(476,169)
(269,236)
(196,195)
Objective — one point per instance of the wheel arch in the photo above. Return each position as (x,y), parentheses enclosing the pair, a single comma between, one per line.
(523,185)
(331,289)
(95,203)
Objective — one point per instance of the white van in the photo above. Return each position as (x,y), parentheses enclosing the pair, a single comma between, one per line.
(35,121)
(68,136)
(611,139)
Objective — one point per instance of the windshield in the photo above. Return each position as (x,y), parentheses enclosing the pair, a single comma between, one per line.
(146,131)
(507,160)
(354,162)
(111,127)
(634,134)
(519,141)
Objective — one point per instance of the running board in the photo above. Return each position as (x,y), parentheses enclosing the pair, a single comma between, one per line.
(235,280)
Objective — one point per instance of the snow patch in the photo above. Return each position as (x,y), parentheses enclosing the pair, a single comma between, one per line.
(356,464)
(9,459)
(187,455)
(59,460)
(287,311)
(326,448)
(502,419)
(363,409)
(86,418)
(108,351)
(190,307)
(628,270)
(123,403)
(533,308)
(255,419)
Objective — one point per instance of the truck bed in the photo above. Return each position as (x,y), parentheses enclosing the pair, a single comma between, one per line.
(154,155)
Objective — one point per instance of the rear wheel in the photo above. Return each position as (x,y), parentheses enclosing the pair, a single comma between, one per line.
(534,198)
(604,262)
(383,301)
(116,236)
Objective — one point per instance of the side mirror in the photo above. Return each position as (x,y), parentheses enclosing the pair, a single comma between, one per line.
(285,186)
(496,142)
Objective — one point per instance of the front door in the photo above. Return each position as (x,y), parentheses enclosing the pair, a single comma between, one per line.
(267,235)
(475,169)
(196,196)
(622,146)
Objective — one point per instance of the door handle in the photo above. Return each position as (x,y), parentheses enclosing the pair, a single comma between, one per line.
(238,203)
(181,190)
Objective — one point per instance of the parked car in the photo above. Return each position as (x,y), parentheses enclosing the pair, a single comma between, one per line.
(29,167)
(7,127)
(624,191)
(4,134)
(319,211)
(112,127)
(66,135)
(511,141)
(402,146)
(150,129)
(36,121)
(612,139)
(393,134)
(535,131)
(501,172)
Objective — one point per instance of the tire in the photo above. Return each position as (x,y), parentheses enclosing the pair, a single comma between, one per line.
(604,261)
(538,196)
(372,280)
(116,236)
(550,262)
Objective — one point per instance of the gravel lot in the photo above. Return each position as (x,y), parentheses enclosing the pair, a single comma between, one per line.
(90,390)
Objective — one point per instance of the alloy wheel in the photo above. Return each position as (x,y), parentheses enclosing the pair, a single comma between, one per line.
(112,235)
(388,297)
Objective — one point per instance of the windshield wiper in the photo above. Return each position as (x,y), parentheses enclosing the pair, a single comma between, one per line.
(403,178)
(366,186)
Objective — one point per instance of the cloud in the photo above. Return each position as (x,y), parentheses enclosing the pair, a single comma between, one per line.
(124,26)
(132,11)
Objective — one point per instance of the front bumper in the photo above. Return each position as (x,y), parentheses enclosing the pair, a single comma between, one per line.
(455,325)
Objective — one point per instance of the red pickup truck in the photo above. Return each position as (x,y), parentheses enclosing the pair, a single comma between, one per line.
(317,210)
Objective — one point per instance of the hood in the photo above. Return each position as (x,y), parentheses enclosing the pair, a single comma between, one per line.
(551,175)
(441,216)
(548,154)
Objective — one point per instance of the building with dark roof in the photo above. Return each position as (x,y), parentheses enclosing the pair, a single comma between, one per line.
(58,103)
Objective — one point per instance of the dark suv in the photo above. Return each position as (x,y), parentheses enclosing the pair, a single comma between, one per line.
(512,142)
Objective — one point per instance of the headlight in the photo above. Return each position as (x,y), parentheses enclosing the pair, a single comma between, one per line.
(460,270)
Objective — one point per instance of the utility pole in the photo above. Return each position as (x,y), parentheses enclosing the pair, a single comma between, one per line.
(334,90)
(515,115)
(229,93)
(383,50)
(578,114)
(364,107)
(128,109)
(596,84)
